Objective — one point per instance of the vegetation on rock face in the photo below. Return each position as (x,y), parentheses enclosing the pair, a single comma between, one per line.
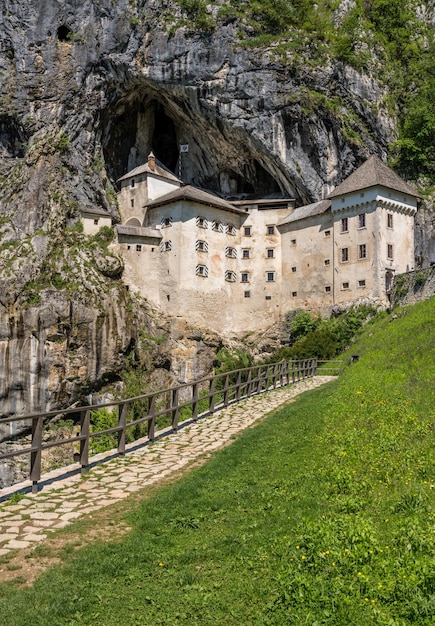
(314,337)
(386,38)
(321,514)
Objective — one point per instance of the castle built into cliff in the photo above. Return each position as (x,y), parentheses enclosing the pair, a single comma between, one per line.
(237,266)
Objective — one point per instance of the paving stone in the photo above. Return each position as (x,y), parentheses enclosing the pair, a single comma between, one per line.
(34,537)
(41,515)
(16,544)
(4,551)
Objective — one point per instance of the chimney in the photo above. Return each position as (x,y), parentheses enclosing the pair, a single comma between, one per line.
(152,161)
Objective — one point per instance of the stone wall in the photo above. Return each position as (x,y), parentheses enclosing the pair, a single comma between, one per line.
(413,287)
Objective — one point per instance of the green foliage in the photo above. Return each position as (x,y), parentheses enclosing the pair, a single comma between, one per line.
(302,324)
(101,420)
(228,360)
(312,337)
(63,143)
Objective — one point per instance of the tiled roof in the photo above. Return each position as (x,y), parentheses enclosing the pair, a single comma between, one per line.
(159,170)
(95,210)
(370,174)
(138,231)
(317,208)
(192,194)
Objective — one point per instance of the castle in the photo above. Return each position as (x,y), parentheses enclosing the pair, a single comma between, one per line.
(239,266)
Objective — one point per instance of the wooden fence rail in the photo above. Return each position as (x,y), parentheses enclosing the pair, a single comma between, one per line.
(166,407)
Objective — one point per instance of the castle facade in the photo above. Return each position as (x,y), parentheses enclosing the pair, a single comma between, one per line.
(239,266)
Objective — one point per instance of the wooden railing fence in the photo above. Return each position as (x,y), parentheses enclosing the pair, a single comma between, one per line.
(170,407)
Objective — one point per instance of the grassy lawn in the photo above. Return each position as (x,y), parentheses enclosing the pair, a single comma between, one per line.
(322,514)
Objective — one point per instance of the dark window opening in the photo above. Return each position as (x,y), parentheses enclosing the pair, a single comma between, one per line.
(64,33)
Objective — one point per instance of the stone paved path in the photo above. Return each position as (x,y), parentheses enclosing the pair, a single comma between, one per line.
(67,495)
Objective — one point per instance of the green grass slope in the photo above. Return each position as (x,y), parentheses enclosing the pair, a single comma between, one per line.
(322,514)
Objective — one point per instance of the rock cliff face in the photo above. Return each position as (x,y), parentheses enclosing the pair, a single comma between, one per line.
(87,89)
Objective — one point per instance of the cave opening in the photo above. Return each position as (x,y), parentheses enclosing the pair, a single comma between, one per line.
(164,142)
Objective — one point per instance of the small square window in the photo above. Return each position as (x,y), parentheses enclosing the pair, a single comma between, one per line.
(293,269)
(362,251)
(361,283)
(327,233)
(201,222)
(345,285)
(245,253)
(390,251)
(270,276)
(344,255)
(327,262)
(268,297)
(247,294)
(344,225)
(96,222)
(361,220)
(328,288)
(293,242)
(245,277)
(247,231)
(389,220)
(271,230)
(138,247)
(270,254)
(294,294)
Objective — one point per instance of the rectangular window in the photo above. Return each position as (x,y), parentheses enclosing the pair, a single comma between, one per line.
(247,294)
(138,247)
(345,286)
(230,276)
(230,253)
(328,288)
(247,231)
(96,222)
(218,227)
(132,182)
(390,251)
(245,277)
(230,229)
(293,269)
(327,233)
(344,225)
(293,242)
(294,294)
(362,251)
(201,246)
(327,262)
(362,220)
(270,254)
(202,270)
(389,220)
(271,230)
(201,222)
(166,222)
(268,297)
(245,253)
(270,277)
(361,283)
(165,246)
(132,203)
(344,255)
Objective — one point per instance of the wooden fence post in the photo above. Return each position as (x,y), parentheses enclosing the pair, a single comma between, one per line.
(85,419)
(226,386)
(195,401)
(211,393)
(238,385)
(36,455)
(174,408)
(122,420)
(151,413)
